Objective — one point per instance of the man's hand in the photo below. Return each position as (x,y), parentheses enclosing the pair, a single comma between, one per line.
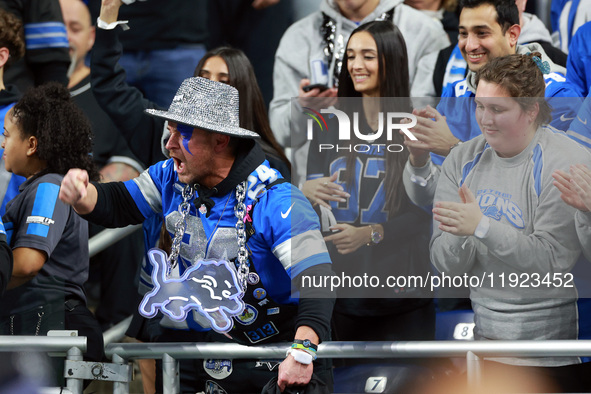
(349,238)
(110,10)
(418,157)
(306,98)
(293,373)
(77,191)
(433,135)
(575,186)
(322,190)
(459,218)
(581,177)
(74,186)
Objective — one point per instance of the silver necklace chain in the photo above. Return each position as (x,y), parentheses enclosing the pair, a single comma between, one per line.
(181,225)
(240,212)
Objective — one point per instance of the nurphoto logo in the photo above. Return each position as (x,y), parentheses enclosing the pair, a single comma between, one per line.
(389,123)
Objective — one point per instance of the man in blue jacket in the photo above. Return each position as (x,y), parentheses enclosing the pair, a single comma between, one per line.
(221,201)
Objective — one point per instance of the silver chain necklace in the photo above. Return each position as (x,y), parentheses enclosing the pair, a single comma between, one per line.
(181,225)
(240,211)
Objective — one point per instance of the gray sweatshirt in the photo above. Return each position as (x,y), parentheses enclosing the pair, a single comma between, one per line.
(531,234)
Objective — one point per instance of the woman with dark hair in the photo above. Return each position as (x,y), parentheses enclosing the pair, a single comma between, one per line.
(497,214)
(379,233)
(230,65)
(45,135)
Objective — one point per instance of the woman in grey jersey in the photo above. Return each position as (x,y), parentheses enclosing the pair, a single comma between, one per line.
(498,219)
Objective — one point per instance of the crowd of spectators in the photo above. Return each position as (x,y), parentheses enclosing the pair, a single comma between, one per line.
(492,166)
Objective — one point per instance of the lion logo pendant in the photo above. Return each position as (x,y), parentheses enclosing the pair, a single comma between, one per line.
(210,287)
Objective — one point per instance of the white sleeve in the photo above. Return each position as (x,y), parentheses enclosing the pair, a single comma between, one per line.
(420,182)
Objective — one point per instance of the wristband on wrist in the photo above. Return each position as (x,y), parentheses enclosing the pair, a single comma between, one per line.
(101,24)
(301,357)
(306,349)
(482,228)
(306,343)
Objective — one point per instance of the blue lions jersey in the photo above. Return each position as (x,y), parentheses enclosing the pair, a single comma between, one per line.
(286,241)
(566,16)
(580,127)
(457,105)
(578,63)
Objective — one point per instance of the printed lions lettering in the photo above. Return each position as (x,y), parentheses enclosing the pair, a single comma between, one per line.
(210,287)
(495,207)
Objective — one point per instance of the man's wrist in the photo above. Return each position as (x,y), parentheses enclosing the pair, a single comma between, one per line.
(421,175)
(418,162)
(458,143)
(305,344)
(300,356)
(482,227)
(101,24)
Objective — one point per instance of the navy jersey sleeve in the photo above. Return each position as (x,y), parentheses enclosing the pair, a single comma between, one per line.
(316,303)
(114,207)
(6,260)
(44,219)
(46,40)
(123,103)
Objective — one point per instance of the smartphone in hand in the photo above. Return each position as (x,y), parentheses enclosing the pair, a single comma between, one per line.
(313,86)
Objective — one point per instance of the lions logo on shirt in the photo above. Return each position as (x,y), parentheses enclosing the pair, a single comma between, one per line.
(496,204)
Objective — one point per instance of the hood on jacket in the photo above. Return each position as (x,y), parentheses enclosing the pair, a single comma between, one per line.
(533,30)
(330,8)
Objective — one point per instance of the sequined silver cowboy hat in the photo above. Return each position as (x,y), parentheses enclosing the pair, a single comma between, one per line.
(206,105)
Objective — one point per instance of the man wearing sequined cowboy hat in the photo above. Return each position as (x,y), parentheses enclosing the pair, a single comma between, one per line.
(488,29)
(211,160)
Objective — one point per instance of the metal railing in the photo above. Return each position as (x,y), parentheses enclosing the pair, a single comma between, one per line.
(73,346)
(76,370)
(108,237)
(170,353)
(117,332)
(473,351)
